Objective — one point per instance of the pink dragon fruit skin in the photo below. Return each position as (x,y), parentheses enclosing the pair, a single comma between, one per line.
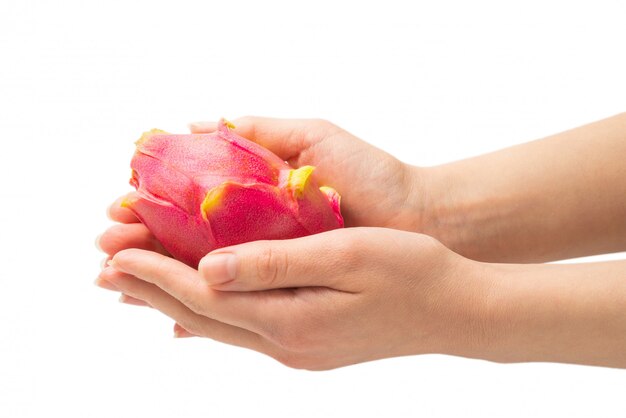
(199,192)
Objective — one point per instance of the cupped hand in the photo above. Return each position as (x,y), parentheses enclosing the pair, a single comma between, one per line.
(376,188)
(318,302)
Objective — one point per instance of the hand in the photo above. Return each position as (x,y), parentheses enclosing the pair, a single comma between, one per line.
(376,188)
(318,302)
(363,293)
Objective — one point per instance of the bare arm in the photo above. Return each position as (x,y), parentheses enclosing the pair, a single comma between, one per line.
(559,197)
(558,313)
(359,294)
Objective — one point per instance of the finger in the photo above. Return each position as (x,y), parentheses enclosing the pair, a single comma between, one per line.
(122,236)
(286,138)
(109,276)
(105,284)
(118,213)
(190,321)
(244,310)
(105,261)
(129,300)
(316,260)
(202,127)
(180,332)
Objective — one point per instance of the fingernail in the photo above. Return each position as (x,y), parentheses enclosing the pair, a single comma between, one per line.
(218,268)
(105,284)
(113,264)
(104,263)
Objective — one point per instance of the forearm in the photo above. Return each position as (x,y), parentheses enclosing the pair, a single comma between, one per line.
(560,197)
(557,313)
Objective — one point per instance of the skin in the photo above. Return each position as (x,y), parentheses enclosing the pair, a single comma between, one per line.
(422,267)
(560,197)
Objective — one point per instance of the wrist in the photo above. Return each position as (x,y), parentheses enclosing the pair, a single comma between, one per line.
(502,330)
(553,313)
(463,316)
(489,320)
(416,214)
(435,198)
(460,209)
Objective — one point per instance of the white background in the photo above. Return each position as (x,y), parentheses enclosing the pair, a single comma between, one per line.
(80,81)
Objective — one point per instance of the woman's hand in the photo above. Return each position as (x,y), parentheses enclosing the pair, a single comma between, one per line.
(376,188)
(359,294)
(318,302)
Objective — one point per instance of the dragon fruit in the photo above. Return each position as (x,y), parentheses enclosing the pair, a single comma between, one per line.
(199,192)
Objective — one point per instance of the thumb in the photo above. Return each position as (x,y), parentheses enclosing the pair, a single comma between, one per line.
(312,261)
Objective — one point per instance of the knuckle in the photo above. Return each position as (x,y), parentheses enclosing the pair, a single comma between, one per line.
(347,249)
(193,304)
(271,266)
(163,267)
(169,281)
